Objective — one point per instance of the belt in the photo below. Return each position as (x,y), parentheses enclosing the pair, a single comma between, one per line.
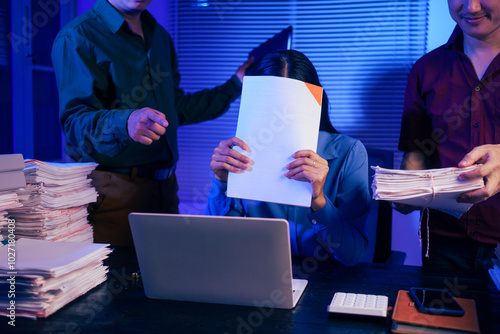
(140,171)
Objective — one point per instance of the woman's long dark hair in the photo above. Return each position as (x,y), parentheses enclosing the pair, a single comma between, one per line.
(295,65)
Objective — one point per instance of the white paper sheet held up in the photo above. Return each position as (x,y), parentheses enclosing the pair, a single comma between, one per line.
(278,116)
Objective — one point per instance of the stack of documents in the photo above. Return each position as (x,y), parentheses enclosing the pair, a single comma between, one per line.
(11,172)
(11,179)
(8,200)
(43,276)
(54,202)
(429,188)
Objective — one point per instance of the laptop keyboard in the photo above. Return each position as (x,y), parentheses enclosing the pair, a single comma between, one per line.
(353,303)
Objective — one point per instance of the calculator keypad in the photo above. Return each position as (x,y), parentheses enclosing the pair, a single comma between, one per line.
(353,303)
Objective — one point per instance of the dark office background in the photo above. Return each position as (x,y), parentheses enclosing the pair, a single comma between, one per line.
(362,50)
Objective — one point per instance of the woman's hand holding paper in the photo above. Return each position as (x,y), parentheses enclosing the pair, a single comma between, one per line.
(226,159)
(310,167)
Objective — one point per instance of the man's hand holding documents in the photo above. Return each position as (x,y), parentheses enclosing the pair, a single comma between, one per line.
(430,188)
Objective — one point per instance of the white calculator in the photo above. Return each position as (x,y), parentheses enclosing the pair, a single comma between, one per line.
(358,303)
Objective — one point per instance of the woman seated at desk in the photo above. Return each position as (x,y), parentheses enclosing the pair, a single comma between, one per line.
(334,225)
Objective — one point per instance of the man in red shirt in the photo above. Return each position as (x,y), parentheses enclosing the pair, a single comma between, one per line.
(451,118)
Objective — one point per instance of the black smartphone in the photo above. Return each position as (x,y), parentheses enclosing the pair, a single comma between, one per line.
(436,301)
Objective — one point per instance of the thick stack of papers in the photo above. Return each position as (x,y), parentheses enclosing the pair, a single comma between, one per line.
(11,179)
(8,200)
(44,275)
(429,188)
(54,203)
(11,172)
(52,173)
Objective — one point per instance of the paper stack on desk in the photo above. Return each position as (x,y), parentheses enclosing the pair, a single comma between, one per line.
(429,188)
(8,200)
(11,179)
(42,276)
(11,172)
(54,202)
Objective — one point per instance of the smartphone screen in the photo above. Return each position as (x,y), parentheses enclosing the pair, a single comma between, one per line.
(435,301)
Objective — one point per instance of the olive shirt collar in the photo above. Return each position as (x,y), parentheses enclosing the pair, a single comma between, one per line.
(114,20)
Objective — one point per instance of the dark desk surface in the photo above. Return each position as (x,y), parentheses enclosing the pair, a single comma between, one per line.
(120,306)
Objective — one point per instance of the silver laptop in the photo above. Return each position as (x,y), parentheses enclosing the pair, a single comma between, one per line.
(212,259)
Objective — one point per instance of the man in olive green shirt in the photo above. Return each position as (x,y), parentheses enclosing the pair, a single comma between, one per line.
(121,105)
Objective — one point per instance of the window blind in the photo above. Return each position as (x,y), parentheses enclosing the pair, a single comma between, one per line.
(362,50)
